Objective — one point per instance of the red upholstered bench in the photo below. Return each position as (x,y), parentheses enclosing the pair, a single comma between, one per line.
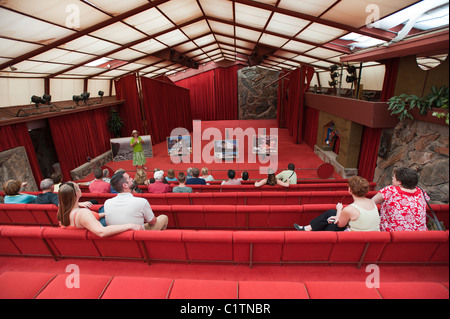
(189,216)
(258,246)
(122,246)
(340,290)
(272,290)
(28,241)
(413,246)
(164,245)
(220,216)
(91,287)
(204,289)
(308,246)
(138,288)
(70,243)
(413,290)
(23,285)
(209,246)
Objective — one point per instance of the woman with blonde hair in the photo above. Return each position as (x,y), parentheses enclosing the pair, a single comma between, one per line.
(72,216)
(141,177)
(361,215)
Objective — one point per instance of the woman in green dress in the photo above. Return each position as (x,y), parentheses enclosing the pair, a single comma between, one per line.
(138,151)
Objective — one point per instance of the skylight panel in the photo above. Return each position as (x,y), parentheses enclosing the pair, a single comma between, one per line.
(172,38)
(287,25)
(98,62)
(218,9)
(251,16)
(150,21)
(12,49)
(319,33)
(181,11)
(311,7)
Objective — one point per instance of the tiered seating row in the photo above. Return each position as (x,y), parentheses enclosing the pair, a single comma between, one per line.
(214,188)
(232,247)
(238,198)
(33,285)
(199,216)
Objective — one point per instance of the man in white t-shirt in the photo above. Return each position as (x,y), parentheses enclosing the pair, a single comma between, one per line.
(125,208)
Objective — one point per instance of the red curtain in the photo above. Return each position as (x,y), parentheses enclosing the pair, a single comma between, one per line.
(213,94)
(126,89)
(370,143)
(77,136)
(15,135)
(226,89)
(390,78)
(202,95)
(283,88)
(167,107)
(311,126)
(293,107)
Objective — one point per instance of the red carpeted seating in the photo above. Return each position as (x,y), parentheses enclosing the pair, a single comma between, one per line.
(34,285)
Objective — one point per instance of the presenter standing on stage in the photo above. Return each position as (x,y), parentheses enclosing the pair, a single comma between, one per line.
(138,151)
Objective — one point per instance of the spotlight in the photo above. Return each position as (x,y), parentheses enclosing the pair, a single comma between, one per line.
(351,69)
(77,98)
(85,97)
(332,83)
(101,93)
(334,75)
(37,100)
(333,68)
(47,98)
(350,78)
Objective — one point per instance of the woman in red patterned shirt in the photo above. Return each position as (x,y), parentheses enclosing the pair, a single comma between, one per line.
(403,204)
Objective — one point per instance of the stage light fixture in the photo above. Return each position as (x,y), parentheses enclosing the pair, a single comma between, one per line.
(101,93)
(85,96)
(37,100)
(332,83)
(334,75)
(77,99)
(351,69)
(333,68)
(47,98)
(350,78)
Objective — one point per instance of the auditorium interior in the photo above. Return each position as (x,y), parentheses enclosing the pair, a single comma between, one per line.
(339,88)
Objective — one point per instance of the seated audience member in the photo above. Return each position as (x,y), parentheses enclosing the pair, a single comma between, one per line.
(288,175)
(195,179)
(207,177)
(182,188)
(47,196)
(244,176)
(12,190)
(141,177)
(189,173)
(170,176)
(271,180)
(125,208)
(106,175)
(361,215)
(57,179)
(99,185)
(158,187)
(231,179)
(72,216)
(403,204)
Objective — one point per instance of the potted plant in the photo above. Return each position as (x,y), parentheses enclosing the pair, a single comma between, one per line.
(404,105)
(114,122)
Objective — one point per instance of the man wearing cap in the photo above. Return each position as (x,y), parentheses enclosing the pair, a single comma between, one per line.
(125,208)
(158,187)
(138,151)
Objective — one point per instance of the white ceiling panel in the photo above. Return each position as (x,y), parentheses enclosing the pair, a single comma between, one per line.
(251,16)
(310,7)
(172,38)
(88,44)
(197,29)
(319,33)
(149,46)
(286,25)
(16,26)
(218,9)
(118,33)
(296,46)
(181,11)
(12,48)
(63,56)
(222,28)
(208,39)
(116,7)
(150,21)
(322,53)
(247,34)
(272,41)
(126,55)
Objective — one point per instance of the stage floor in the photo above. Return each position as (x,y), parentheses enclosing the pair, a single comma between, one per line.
(301,155)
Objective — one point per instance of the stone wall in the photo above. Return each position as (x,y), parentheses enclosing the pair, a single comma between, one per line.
(257,93)
(423,147)
(14,164)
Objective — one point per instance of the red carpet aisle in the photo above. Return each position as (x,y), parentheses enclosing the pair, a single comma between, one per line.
(306,162)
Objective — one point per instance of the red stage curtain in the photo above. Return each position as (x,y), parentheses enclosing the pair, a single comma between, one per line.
(126,89)
(370,143)
(77,136)
(15,135)
(390,78)
(202,95)
(311,126)
(226,89)
(283,88)
(167,107)
(294,107)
